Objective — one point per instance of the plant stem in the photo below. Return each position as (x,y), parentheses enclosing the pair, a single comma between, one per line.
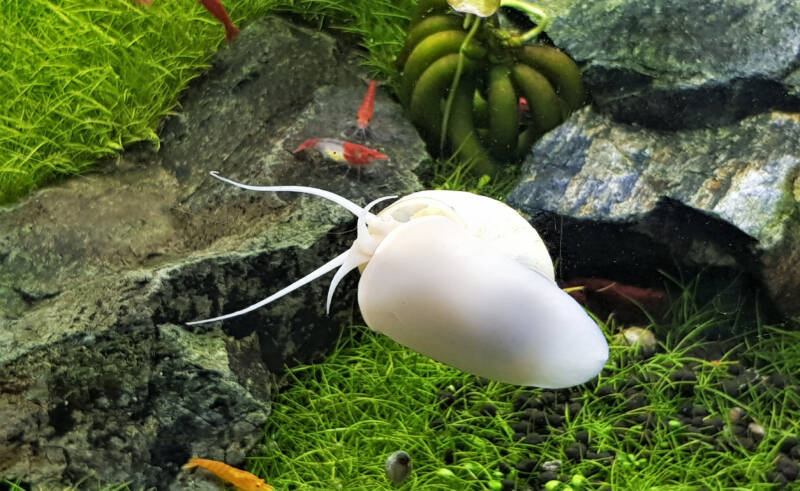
(535,13)
(476,22)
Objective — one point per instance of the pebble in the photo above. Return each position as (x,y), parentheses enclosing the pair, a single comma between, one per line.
(787,467)
(642,338)
(398,466)
(525,466)
(736,413)
(551,466)
(756,431)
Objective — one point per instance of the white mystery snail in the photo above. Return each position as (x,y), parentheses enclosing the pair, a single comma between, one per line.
(465,280)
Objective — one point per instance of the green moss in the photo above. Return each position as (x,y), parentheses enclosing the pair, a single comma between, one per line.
(79,81)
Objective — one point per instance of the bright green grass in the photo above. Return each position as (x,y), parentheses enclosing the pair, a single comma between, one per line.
(81,79)
(337,422)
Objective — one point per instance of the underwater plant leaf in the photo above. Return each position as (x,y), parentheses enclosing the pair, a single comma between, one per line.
(482,8)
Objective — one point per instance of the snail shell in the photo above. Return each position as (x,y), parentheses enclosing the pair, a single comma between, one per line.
(468,282)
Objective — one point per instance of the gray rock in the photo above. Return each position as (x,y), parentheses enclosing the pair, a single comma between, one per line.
(98,373)
(620,201)
(683,63)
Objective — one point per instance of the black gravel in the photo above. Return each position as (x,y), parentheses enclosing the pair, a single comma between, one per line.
(537,416)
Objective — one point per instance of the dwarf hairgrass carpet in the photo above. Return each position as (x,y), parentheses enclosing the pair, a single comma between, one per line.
(663,421)
(81,80)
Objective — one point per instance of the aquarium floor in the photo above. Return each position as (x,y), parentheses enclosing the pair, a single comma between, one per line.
(693,415)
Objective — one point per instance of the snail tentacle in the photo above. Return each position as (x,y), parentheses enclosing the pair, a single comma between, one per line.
(322,270)
(339,200)
(359,253)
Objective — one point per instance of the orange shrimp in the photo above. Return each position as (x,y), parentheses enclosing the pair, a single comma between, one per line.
(239,478)
(364,115)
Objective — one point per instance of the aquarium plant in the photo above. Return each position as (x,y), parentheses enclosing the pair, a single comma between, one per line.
(480,90)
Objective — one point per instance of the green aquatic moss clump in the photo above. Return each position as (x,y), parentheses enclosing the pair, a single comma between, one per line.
(81,80)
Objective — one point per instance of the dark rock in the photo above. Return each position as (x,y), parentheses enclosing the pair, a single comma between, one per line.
(575,452)
(547,476)
(488,410)
(526,400)
(536,417)
(635,402)
(777,478)
(582,437)
(715,423)
(684,375)
(788,443)
(604,455)
(720,198)
(508,484)
(738,429)
(100,374)
(733,387)
(746,442)
(605,390)
(778,380)
(693,429)
(787,467)
(146,401)
(730,59)
(634,201)
(639,418)
(521,426)
(446,398)
(735,369)
(525,466)
(533,439)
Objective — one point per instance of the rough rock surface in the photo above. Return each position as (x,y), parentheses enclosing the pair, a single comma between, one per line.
(687,160)
(99,273)
(683,63)
(620,201)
